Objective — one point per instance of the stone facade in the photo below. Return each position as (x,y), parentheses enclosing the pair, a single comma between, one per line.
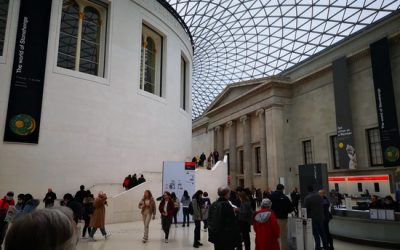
(277,114)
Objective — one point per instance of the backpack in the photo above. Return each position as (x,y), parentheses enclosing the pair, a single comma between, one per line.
(190,208)
(214,221)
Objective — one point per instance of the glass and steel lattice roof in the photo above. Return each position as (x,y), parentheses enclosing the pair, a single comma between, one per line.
(237,40)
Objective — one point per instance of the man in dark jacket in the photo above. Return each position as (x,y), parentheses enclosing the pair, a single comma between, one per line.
(80,194)
(282,206)
(75,206)
(315,210)
(223,230)
(49,198)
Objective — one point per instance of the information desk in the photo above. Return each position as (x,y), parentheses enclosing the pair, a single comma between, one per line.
(357,225)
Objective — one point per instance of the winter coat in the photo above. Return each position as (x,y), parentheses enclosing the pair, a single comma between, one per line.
(281,205)
(267,230)
(99,214)
(314,204)
(170,208)
(185,201)
(152,206)
(246,212)
(197,214)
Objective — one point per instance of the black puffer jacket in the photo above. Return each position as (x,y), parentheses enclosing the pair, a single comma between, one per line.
(281,205)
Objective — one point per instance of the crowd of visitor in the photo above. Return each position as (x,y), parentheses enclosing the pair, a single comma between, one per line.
(132,181)
(228,220)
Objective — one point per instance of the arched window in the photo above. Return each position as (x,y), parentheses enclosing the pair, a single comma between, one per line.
(3,22)
(82,36)
(150,66)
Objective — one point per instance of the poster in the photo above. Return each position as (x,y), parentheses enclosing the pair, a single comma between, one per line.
(178,177)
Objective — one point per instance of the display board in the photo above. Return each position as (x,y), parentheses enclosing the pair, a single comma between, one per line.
(178,177)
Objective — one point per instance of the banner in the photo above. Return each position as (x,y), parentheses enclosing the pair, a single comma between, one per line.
(346,151)
(385,102)
(178,177)
(27,80)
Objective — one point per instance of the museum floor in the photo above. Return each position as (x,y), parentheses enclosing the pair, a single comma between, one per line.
(129,235)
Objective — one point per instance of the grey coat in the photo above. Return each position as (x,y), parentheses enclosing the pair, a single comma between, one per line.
(197,214)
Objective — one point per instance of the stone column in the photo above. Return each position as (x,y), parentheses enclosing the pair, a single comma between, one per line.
(231,126)
(263,149)
(220,142)
(275,148)
(248,170)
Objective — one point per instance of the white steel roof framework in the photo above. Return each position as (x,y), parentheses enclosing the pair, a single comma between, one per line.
(237,40)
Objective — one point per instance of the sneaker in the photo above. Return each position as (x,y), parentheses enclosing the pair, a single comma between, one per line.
(166,240)
(107,236)
(199,243)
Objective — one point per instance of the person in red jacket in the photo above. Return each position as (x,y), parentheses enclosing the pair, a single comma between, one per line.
(266,227)
(5,203)
(167,210)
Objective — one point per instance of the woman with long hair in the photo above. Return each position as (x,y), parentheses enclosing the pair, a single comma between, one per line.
(185,200)
(197,217)
(177,205)
(98,218)
(166,209)
(148,207)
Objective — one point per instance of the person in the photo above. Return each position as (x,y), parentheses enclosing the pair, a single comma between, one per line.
(87,212)
(177,206)
(5,203)
(210,161)
(282,206)
(44,229)
(148,211)
(74,205)
(204,210)
(223,230)
(245,218)
(194,160)
(397,195)
(266,227)
(98,217)
(20,202)
(127,182)
(314,204)
(295,197)
(197,217)
(388,203)
(49,198)
(141,179)
(79,195)
(216,156)
(185,200)
(166,209)
(202,159)
(327,217)
(375,203)
(134,181)
(30,205)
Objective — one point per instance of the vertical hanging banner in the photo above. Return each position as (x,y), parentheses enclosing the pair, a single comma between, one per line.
(385,102)
(347,155)
(27,80)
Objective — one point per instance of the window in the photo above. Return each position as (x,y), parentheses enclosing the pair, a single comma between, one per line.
(359,187)
(335,152)
(183,83)
(3,23)
(82,36)
(258,159)
(376,187)
(307,150)
(150,61)
(241,161)
(375,150)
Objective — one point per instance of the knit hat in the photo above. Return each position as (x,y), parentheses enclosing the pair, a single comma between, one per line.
(266,203)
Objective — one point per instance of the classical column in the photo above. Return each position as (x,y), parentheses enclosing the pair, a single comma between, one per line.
(220,142)
(248,170)
(275,150)
(231,126)
(263,149)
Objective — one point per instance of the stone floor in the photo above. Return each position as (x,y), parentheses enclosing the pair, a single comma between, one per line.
(129,235)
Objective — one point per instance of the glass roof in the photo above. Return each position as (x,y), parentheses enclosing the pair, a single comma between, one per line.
(237,40)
